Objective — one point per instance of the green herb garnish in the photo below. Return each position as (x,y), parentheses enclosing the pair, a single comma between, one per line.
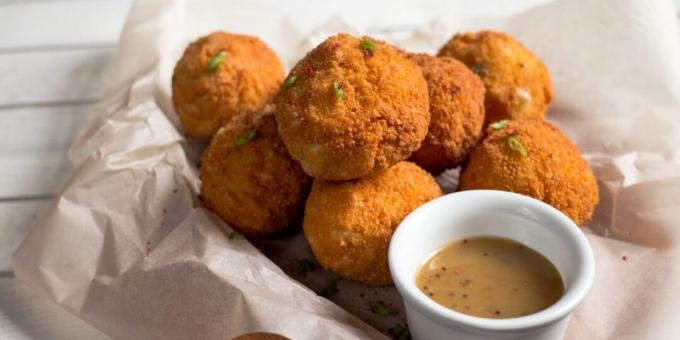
(501,124)
(479,69)
(245,137)
(516,144)
(368,46)
(303,266)
(399,332)
(216,61)
(289,82)
(330,288)
(339,93)
(379,308)
(235,236)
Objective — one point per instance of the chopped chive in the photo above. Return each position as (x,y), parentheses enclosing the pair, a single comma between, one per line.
(216,61)
(303,266)
(245,137)
(399,332)
(516,144)
(379,308)
(368,46)
(235,236)
(339,93)
(289,82)
(501,124)
(330,288)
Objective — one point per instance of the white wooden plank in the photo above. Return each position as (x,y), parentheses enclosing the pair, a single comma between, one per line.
(33,153)
(25,24)
(25,315)
(53,76)
(16,219)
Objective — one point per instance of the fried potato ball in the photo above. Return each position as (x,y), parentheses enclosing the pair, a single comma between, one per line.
(249,179)
(517,82)
(534,158)
(349,224)
(221,76)
(352,107)
(456,109)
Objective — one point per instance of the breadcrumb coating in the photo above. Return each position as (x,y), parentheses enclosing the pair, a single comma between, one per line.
(253,184)
(246,79)
(456,109)
(349,224)
(517,83)
(552,171)
(348,111)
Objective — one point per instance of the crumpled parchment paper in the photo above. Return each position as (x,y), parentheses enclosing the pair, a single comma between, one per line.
(128,247)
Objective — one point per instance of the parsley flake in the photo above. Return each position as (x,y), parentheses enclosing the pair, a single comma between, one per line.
(235,236)
(368,46)
(516,144)
(330,288)
(216,61)
(290,82)
(501,124)
(339,93)
(245,137)
(303,266)
(379,308)
(399,332)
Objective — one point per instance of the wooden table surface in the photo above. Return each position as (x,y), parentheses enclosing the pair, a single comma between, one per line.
(53,57)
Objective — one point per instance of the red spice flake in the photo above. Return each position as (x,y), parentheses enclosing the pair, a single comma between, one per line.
(497,312)
(465,240)
(174,191)
(625,258)
(436,275)
(430,294)
(464,296)
(443,268)
(309,71)
(465,283)
(425,287)
(165,211)
(456,271)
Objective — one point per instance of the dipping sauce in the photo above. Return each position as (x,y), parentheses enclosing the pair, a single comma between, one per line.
(490,277)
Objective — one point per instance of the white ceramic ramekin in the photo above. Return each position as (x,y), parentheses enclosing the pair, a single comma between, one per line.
(489,213)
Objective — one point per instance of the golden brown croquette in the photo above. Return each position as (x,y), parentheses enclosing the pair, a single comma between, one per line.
(349,224)
(221,76)
(456,109)
(534,158)
(352,107)
(249,179)
(517,82)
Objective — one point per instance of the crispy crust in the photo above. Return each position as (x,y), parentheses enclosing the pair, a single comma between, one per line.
(553,170)
(247,79)
(349,224)
(457,112)
(381,120)
(255,187)
(517,82)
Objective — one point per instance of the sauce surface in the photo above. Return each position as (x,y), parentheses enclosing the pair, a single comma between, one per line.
(490,277)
